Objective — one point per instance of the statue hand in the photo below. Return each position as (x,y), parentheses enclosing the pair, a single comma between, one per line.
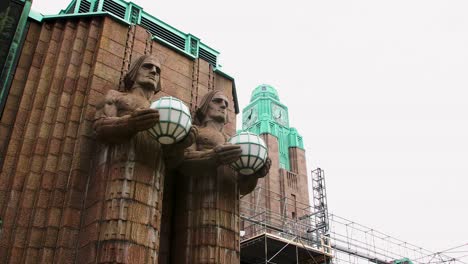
(263,171)
(143,118)
(227,153)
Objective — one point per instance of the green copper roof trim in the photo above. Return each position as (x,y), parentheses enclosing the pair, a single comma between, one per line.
(39,17)
(165,25)
(92,14)
(34,15)
(209,49)
(70,5)
(295,140)
(9,68)
(192,43)
(281,133)
(131,13)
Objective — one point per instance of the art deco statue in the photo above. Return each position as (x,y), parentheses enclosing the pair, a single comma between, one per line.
(207,212)
(132,166)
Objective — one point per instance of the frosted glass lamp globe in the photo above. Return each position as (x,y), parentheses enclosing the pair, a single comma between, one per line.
(174,120)
(254,152)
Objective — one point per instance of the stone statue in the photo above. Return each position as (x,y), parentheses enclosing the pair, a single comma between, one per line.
(207,208)
(132,165)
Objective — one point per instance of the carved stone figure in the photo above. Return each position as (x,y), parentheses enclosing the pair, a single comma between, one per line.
(131,165)
(207,209)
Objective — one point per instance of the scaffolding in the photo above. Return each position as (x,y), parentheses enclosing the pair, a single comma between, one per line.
(356,243)
(317,236)
(319,202)
(275,237)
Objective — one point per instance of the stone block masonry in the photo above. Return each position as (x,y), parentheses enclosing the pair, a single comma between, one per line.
(51,198)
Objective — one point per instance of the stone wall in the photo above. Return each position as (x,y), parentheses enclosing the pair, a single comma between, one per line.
(46,139)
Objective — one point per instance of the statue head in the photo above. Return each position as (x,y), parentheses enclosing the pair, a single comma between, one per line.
(213,106)
(145,72)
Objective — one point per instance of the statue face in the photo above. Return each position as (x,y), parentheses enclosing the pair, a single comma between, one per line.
(148,75)
(217,108)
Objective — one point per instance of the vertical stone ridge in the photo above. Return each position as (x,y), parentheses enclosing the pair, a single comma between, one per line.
(48,179)
(211,81)
(149,44)
(87,116)
(8,181)
(69,178)
(14,120)
(58,61)
(128,53)
(194,90)
(10,112)
(26,164)
(84,102)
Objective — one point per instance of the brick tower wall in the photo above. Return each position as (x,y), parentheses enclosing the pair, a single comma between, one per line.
(299,167)
(48,202)
(283,193)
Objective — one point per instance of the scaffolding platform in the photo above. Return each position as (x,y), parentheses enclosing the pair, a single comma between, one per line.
(313,235)
(277,249)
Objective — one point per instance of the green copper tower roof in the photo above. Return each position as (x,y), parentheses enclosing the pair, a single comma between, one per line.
(265,114)
(264,90)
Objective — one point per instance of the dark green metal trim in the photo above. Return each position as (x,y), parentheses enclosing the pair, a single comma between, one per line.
(167,44)
(92,14)
(69,6)
(13,55)
(234,90)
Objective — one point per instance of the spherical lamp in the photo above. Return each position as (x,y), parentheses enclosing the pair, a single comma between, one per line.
(254,152)
(174,120)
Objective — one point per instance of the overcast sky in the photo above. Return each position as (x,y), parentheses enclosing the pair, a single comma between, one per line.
(378,90)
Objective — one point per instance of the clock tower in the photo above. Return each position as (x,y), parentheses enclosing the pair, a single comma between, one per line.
(284,190)
(265,114)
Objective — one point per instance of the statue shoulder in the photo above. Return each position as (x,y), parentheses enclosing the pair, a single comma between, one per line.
(113,95)
(108,101)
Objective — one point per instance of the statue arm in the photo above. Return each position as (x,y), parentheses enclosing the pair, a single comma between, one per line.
(112,128)
(221,154)
(193,156)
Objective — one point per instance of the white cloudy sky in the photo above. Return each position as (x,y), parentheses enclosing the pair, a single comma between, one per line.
(378,89)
